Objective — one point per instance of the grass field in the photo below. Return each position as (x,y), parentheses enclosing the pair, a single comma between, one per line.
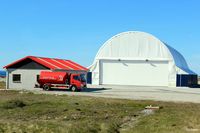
(26,112)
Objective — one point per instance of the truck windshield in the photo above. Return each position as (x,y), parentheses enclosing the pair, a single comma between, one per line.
(76,78)
(83,77)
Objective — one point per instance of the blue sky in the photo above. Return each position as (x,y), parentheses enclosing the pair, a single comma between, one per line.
(76,29)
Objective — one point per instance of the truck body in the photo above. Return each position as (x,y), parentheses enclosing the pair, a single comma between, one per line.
(61,80)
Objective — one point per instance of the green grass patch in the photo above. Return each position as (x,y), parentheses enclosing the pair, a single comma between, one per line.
(27,112)
(13,104)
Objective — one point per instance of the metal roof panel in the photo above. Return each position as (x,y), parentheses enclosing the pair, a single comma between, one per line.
(52,63)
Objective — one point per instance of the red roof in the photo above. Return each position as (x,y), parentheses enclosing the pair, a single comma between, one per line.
(52,63)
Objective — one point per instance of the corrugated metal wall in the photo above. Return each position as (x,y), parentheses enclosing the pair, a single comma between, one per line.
(184,80)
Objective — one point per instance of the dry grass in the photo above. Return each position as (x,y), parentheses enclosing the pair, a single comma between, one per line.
(2,85)
(27,112)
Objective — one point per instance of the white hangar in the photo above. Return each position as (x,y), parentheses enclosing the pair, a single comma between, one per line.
(140,59)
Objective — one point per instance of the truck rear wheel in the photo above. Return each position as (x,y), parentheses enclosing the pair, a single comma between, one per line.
(46,87)
(73,88)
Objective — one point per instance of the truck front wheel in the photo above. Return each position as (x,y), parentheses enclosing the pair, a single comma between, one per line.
(73,88)
(46,87)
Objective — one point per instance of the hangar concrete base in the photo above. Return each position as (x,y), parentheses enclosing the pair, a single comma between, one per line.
(178,94)
(134,93)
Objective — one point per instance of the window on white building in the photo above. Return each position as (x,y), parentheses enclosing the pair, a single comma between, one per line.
(16,78)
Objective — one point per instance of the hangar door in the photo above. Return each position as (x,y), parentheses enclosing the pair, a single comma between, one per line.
(141,73)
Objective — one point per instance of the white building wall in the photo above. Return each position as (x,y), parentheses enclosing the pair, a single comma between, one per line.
(151,73)
(28,78)
(95,73)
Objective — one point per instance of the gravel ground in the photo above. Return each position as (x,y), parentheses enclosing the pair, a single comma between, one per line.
(134,92)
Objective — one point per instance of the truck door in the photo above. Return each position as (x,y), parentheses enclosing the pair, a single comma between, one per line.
(76,80)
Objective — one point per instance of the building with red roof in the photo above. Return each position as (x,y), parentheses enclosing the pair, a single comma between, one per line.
(24,73)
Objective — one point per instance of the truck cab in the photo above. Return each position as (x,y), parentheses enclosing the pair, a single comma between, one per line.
(75,82)
(83,80)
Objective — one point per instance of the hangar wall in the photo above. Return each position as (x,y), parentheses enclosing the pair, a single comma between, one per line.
(142,47)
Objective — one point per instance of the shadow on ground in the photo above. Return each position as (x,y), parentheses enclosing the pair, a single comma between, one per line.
(84,90)
(95,89)
(195,86)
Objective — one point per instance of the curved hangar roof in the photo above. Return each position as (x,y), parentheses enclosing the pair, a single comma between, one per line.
(135,45)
